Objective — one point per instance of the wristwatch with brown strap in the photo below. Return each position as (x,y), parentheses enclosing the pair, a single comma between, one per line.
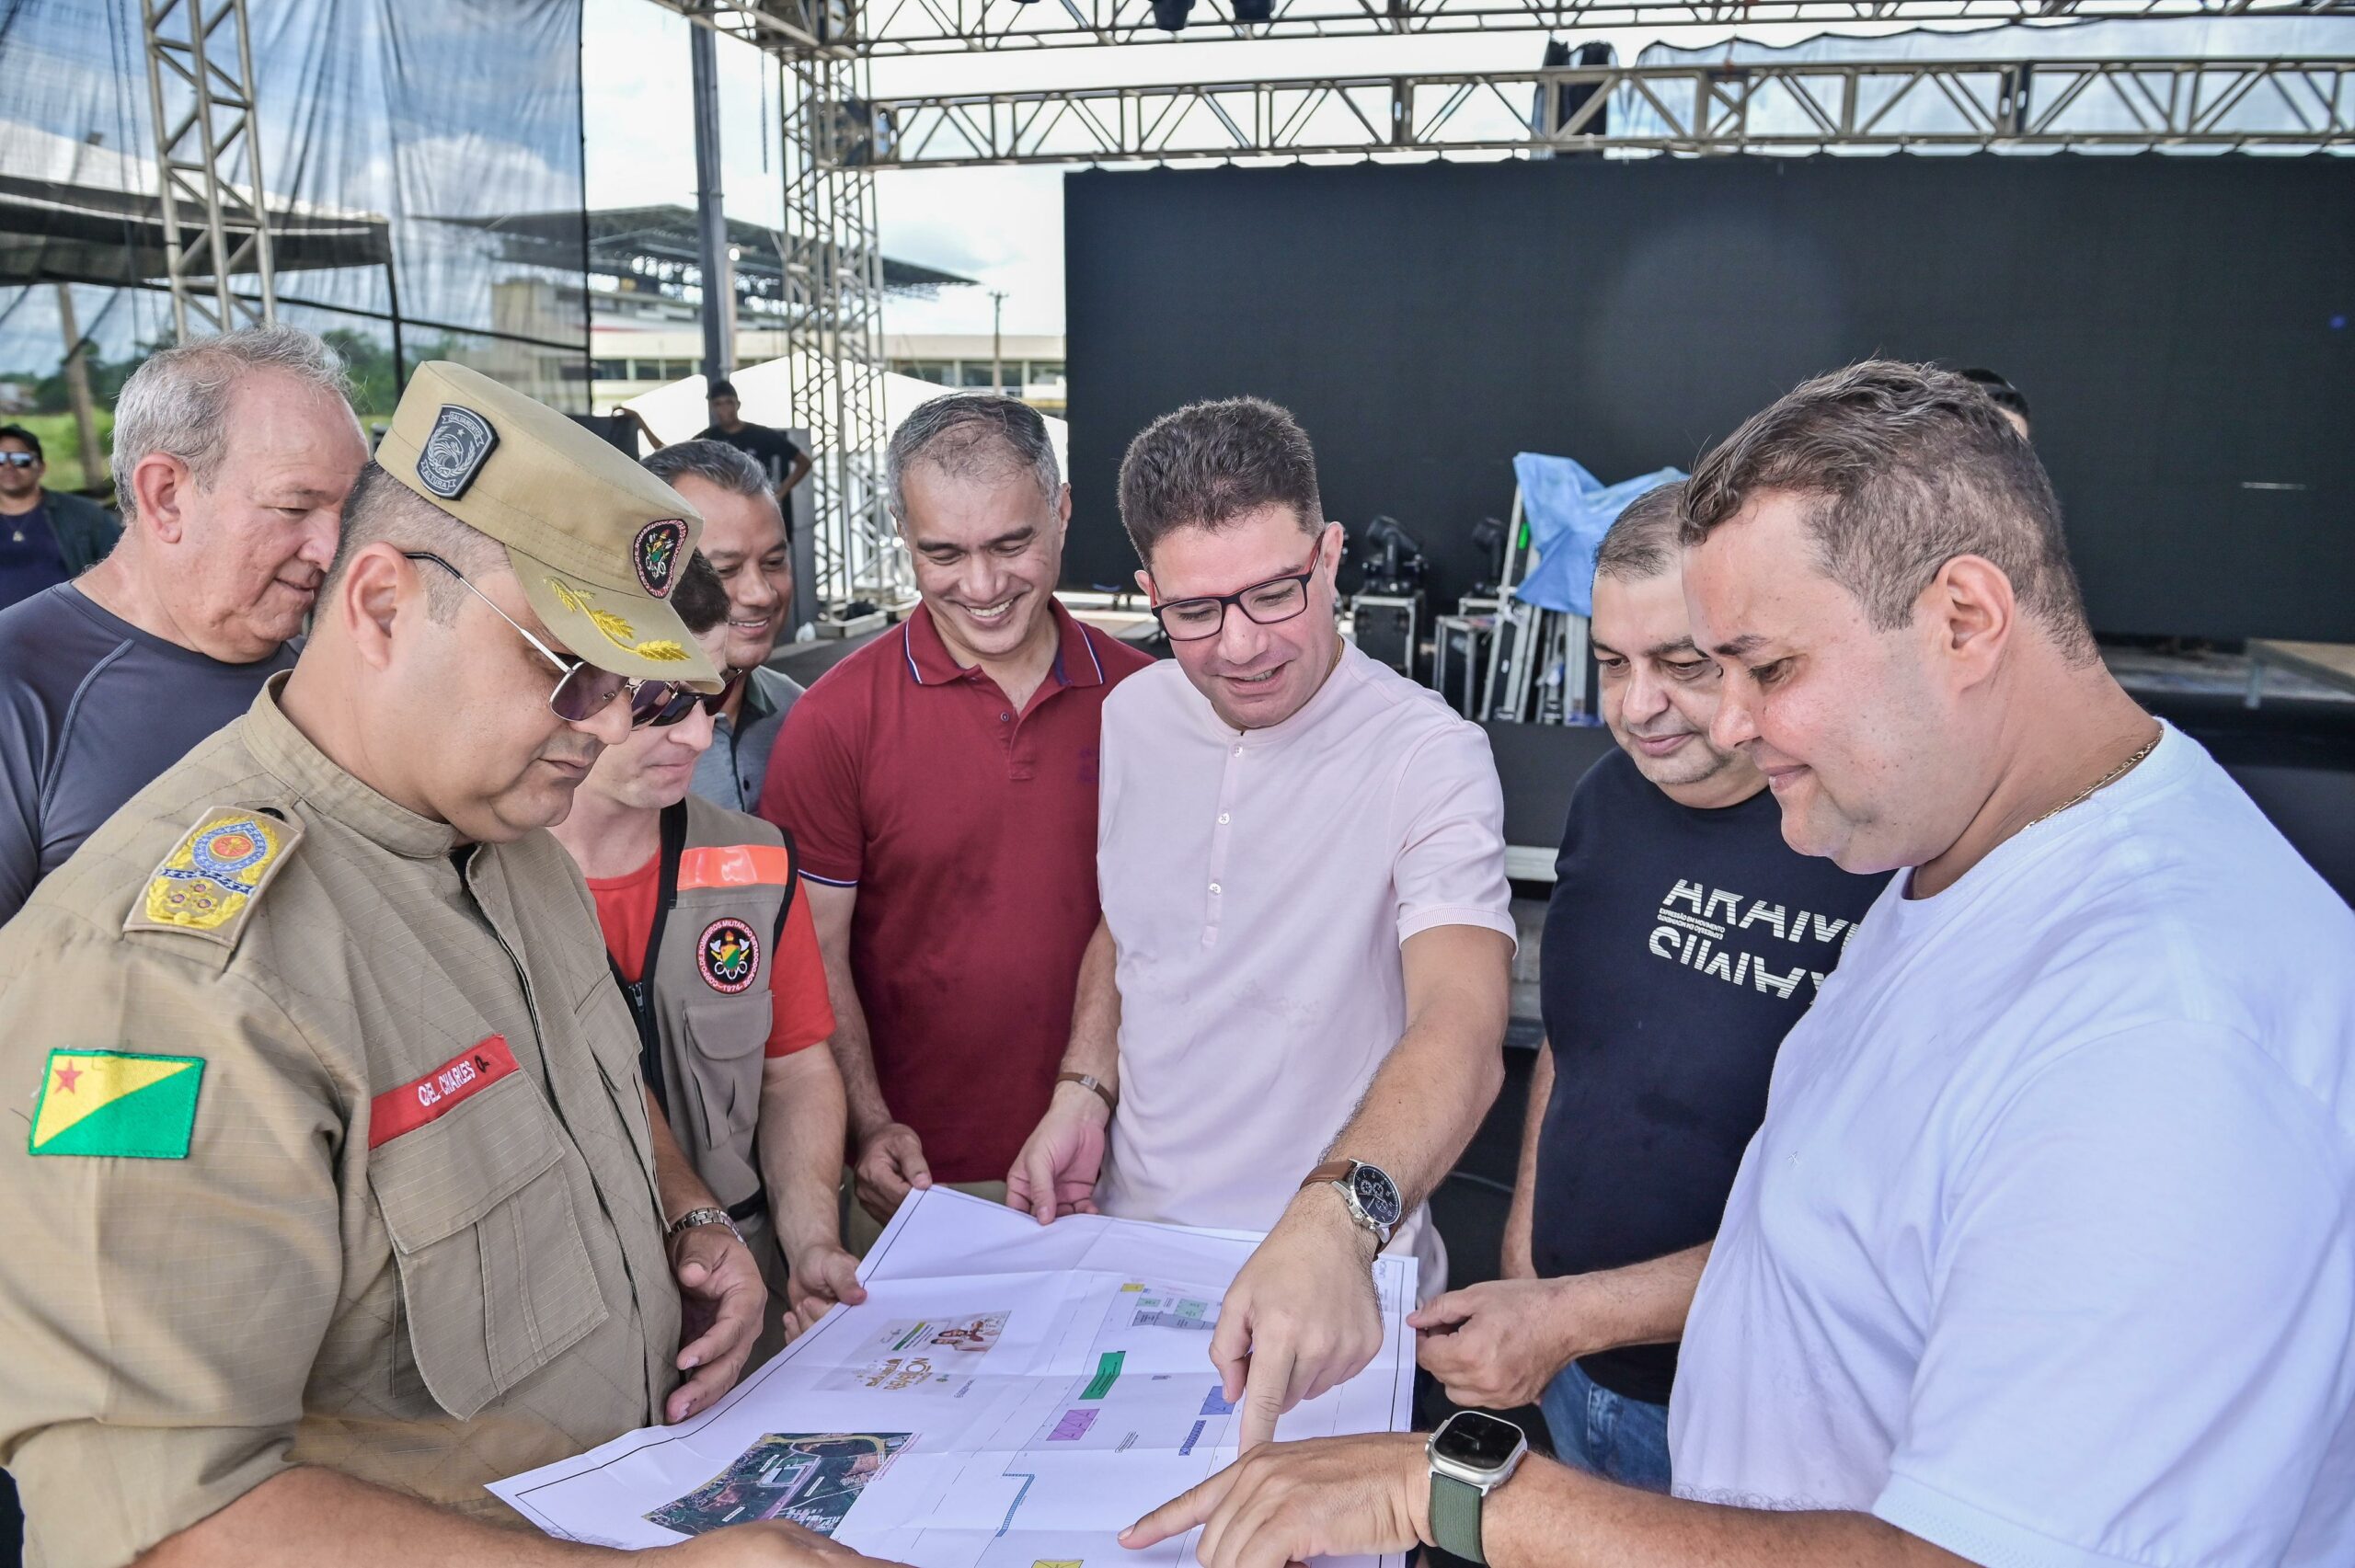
(1373,1197)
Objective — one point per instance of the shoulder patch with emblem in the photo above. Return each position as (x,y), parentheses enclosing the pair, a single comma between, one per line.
(209,884)
(124,1104)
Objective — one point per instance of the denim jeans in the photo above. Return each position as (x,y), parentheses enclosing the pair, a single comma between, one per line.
(1609,1434)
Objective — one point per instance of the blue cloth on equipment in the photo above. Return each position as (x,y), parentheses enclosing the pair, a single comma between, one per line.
(1568,510)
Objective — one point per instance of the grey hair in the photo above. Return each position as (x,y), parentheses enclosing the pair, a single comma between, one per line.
(177,402)
(384,511)
(716,463)
(972,435)
(1641,542)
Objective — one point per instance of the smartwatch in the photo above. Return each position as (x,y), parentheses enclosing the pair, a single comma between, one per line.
(1471,1454)
(1373,1197)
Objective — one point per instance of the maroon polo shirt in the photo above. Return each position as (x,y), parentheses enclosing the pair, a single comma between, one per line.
(969,830)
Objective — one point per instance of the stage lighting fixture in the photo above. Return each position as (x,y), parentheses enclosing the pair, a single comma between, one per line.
(1254,10)
(1169,15)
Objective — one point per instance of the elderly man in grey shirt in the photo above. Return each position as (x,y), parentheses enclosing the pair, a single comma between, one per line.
(232,459)
(744,539)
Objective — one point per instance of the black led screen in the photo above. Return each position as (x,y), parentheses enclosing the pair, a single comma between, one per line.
(2180,325)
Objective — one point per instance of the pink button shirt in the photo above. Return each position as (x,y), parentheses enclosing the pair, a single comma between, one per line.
(1259,884)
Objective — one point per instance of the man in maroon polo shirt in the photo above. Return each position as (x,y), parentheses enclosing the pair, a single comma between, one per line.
(940,786)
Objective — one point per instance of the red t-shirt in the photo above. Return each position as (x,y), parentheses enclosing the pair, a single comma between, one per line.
(800,1015)
(970,832)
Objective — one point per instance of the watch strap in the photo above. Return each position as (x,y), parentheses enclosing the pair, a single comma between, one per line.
(1095,1085)
(1331,1171)
(1455,1517)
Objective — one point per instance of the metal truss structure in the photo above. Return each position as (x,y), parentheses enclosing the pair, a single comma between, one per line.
(883,27)
(833,281)
(1742,107)
(200,89)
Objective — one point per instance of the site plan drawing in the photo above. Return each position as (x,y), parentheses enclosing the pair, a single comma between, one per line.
(1010,1395)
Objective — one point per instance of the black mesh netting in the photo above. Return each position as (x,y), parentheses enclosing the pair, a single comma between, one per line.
(399,139)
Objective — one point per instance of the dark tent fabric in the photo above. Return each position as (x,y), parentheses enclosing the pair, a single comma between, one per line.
(395,136)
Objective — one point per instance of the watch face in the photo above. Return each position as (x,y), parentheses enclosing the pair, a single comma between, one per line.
(1377,1194)
(1477,1441)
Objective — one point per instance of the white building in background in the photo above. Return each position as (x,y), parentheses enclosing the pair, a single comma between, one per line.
(644,330)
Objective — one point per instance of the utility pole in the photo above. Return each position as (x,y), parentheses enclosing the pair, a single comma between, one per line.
(711,218)
(77,392)
(997,341)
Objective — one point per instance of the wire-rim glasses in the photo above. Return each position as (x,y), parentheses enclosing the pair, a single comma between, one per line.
(582,689)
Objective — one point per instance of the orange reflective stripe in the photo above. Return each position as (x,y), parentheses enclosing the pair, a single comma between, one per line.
(736,865)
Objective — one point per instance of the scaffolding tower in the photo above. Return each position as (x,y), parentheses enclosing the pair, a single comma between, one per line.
(208,163)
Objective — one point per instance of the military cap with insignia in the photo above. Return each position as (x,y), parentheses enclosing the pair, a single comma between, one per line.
(596,541)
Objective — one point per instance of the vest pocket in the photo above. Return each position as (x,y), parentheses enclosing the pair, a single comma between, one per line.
(728,1038)
(495,1279)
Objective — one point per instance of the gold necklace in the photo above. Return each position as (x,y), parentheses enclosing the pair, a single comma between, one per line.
(2102,782)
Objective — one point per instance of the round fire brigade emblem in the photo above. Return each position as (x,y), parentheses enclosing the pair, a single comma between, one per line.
(729,955)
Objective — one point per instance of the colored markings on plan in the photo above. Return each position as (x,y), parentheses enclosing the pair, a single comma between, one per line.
(1107,1372)
(912,1334)
(1073,1425)
(1192,1438)
(1215,1402)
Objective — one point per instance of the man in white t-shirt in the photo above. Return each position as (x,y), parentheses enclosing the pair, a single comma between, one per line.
(1291,1017)
(2045,1254)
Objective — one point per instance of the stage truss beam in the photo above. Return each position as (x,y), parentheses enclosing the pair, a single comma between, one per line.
(833,279)
(1744,107)
(200,90)
(878,28)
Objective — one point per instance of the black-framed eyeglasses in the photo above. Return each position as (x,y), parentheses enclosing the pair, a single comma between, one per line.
(19,459)
(582,689)
(1265,603)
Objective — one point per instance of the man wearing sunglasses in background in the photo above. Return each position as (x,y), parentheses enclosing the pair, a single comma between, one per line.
(47,536)
(717,959)
(1299,988)
(339,1197)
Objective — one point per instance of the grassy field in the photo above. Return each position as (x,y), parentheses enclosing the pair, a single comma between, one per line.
(61,447)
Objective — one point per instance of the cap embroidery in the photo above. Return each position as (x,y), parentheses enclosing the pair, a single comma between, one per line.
(728,955)
(655,553)
(615,630)
(454,451)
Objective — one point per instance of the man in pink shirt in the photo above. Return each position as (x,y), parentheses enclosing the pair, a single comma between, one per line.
(1291,1017)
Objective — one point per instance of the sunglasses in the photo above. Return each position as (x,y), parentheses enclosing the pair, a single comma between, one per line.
(582,689)
(19,459)
(681,702)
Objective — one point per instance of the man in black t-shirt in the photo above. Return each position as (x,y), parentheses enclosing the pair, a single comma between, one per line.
(785,464)
(1684,940)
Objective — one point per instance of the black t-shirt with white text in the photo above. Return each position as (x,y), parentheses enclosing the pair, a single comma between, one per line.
(1681,945)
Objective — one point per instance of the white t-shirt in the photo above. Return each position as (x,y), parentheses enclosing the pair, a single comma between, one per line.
(2046,1251)
(1258,884)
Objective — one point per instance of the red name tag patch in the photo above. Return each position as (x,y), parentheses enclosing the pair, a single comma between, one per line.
(414,1103)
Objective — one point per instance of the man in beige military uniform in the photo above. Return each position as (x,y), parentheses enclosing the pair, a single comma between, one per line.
(718,960)
(337,1196)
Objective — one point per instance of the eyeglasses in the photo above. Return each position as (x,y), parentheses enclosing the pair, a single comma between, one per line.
(19,459)
(1265,604)
(682,702)
(582,689)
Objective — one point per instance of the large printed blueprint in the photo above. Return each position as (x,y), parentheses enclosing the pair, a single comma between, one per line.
(1009,1396)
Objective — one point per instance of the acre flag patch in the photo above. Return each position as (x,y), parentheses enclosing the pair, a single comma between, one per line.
(117,1102)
